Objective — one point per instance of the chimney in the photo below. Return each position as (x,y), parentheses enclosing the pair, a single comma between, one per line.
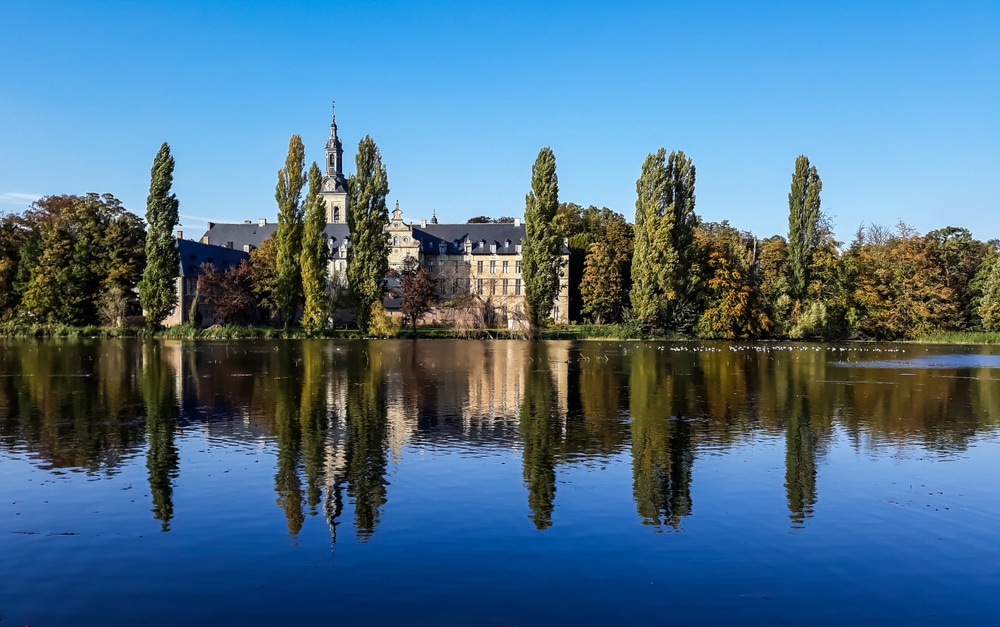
(517,221)
(248,222)
(423,224)
(204,238)
(262,222)
(246,248)
(210,225)
(180,234)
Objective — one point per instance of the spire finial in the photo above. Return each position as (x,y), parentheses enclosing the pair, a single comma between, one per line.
(333,108)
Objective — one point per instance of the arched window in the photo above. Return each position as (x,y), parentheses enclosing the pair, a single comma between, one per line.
(336,214)
(395,240)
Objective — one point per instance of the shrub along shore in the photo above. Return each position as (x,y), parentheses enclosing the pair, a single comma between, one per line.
(569,332)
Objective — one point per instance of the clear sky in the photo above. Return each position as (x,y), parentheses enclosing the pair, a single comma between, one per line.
(896,103)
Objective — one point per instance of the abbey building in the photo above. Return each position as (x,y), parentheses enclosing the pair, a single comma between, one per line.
(467,261)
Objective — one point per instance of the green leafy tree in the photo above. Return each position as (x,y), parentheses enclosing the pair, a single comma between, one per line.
(158,287)
(314,256)
(288,237)
(540,256)
(367,216)
(804,219)
(662,293)
(84,247)
(12,237)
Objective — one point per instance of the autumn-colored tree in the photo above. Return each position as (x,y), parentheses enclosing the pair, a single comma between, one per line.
(987,283)
(229,293)
(264,270)
(733,307)
(417,291)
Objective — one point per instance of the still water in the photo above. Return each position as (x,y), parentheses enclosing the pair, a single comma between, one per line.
(497,483)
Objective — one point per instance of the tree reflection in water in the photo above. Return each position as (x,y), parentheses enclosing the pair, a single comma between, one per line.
(367,436)
(162,459)
(661,441)
(540,432)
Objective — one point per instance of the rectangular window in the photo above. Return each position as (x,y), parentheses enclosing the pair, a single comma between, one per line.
(479,267)
(505,285)
(517,266)
(517,287)
(493,266)
(479,285)
(506,268)
(493,287)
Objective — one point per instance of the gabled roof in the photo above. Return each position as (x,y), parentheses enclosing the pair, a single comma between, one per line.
(506,236)
(254,234)
(193,254)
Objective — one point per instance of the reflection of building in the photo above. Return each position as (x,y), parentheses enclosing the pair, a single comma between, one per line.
(481,260)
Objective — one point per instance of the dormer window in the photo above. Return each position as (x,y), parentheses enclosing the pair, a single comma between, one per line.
(443,247)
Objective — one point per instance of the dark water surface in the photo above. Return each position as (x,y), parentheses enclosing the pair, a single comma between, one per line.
(497,483)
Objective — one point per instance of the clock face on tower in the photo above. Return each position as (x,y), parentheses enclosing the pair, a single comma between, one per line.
(329,185)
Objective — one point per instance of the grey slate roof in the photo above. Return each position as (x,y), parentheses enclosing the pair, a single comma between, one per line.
(193,254)
(506,236)
(254,234)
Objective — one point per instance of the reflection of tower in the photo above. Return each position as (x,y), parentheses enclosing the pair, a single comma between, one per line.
(335,463)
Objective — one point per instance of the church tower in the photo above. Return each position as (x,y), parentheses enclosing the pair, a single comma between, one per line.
(334,191)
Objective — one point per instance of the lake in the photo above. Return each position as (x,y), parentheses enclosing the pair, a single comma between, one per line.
(497,483)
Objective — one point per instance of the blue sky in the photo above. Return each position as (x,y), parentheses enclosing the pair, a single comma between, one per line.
(897,104)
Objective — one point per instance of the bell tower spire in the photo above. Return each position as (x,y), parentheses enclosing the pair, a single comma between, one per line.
(334,189)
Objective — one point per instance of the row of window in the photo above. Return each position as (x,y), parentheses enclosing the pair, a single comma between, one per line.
(493,267)
(484,287)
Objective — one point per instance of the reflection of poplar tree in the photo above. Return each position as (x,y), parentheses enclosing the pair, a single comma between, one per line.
(540,432)
(800,462)
(661,443)
(158,381)
(287,483)
(312,417)
(366,443)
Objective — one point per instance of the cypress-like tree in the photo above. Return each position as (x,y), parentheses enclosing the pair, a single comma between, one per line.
(314,255)
(803,224)
(288,237)
(662,293)
(367,216)
(540,256)
(157,289)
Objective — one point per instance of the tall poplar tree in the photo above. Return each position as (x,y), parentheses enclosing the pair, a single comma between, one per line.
(314,255)
(288,237)
(157,289)
(803,224)
(367,217)
(540,256)
(665,221)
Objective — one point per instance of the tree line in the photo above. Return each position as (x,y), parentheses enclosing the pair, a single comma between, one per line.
(79,260)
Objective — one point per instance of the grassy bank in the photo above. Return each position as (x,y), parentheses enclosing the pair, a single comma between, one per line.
(960,337)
